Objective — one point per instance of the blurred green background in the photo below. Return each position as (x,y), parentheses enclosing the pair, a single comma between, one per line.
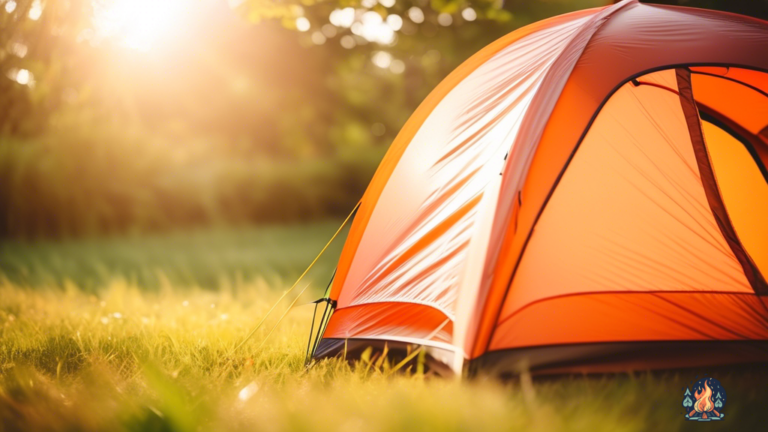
(123,116)
(132,116)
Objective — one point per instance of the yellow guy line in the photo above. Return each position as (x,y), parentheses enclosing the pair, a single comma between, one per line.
(258,326)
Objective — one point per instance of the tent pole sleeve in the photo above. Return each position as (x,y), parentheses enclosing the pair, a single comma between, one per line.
(716,204)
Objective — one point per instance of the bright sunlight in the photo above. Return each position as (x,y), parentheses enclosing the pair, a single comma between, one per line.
(137,24)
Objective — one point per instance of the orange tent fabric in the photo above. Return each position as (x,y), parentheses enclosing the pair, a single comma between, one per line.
(587,193)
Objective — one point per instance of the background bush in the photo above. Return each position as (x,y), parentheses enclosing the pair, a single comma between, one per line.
(92,181)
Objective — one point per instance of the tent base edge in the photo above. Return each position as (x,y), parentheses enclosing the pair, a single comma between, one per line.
(617,357)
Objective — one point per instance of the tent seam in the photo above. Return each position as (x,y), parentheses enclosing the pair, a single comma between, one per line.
(709,183)
(619,7)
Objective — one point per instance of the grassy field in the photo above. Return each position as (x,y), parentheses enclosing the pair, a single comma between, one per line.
(207,259)
(139,335)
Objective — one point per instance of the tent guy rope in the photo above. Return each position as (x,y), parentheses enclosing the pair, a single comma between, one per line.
(289,290)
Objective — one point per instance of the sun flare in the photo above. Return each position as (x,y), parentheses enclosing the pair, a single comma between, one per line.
(137,24)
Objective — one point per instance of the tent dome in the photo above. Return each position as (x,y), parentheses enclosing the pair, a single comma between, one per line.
(587,193)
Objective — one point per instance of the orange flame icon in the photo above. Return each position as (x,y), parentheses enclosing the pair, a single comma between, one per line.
(703,404)
(704,400)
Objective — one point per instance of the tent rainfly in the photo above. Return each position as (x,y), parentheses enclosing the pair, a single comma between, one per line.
(587,194)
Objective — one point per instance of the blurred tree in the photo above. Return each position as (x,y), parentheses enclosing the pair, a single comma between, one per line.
(120,115)
(388,55)
(37,44)
(250,88)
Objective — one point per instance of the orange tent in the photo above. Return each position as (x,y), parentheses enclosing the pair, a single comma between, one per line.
(588,193)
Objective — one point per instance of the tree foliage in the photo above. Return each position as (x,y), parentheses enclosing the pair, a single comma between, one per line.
(247,110)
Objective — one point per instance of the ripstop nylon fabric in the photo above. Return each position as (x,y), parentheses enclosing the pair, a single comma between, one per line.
(629,216)
(636,39)
(563,188)
(415,243)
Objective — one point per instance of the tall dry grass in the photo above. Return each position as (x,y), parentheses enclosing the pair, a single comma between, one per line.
(106,351)
(125,359)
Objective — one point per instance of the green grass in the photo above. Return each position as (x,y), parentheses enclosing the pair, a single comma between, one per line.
(126,355)
(204,258)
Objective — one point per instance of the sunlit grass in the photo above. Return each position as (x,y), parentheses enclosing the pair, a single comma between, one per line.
(207,258)
(122,357)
